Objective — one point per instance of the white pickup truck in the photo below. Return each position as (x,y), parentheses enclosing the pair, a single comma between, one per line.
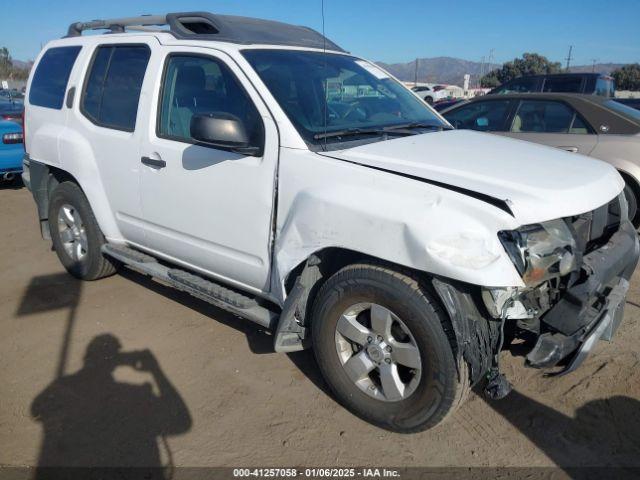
(263,169)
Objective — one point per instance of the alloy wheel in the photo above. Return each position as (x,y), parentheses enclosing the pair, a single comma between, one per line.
(378,352)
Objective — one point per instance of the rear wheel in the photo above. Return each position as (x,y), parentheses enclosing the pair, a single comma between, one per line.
(75,234)
(381,346)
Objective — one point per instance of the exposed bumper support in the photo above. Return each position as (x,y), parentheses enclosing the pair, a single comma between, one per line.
(591,309)
(604,328)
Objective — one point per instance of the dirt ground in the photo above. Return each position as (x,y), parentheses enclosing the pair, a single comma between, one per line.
(229,400)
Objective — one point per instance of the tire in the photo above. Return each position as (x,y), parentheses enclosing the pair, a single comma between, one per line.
(418,322)
(631,194)
(75,234)
(429,100)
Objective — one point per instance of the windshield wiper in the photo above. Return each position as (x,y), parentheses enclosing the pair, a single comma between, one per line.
(416,125)
(391,129)
(350,132)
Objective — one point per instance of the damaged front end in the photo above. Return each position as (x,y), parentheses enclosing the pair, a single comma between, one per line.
(576,274)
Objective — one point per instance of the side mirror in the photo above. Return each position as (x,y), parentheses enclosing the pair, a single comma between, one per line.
(222,130)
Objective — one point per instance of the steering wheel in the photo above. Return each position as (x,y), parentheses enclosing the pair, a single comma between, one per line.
(355,106)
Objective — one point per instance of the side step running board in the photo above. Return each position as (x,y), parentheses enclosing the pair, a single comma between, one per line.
(199,287)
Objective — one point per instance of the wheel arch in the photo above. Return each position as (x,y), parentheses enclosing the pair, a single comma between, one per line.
(472,336)
(46,177)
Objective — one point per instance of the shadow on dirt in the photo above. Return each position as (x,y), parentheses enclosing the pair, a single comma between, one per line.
(93,425)
(91,420)
(603,433)
(15,184)
(257,338)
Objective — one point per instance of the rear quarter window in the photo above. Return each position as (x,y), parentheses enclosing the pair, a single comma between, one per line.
(112,89)
(50,79)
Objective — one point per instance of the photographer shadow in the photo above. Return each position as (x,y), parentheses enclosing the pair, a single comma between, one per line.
(92,421)
(604,434)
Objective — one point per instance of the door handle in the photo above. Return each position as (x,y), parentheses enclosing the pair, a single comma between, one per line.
(153,162)
(570,149)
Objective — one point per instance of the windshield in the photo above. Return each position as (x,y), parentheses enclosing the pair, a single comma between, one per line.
(326,94)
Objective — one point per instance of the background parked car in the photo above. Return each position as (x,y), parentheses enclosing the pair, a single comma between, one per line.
(11,110)
(11,150)
(587,83)
(11,94)
(630,102)
(441,105)
(430,94)
(596,126)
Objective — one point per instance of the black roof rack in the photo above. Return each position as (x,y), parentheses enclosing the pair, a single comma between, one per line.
(209,26)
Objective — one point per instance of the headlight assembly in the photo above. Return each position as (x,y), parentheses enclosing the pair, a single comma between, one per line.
(541,251)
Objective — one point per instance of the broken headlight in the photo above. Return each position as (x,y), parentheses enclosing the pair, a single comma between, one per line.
(541,251)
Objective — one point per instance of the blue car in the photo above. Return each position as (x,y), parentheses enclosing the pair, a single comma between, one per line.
(11,110)
(11,150)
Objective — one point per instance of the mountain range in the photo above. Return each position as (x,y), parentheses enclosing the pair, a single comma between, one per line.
(449,70)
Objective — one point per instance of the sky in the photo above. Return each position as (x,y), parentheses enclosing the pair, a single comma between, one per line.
(381,30)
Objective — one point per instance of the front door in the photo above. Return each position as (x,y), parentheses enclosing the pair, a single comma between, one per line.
(205,207)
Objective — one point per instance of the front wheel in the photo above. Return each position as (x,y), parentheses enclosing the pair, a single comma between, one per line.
(75,234)
(381,346)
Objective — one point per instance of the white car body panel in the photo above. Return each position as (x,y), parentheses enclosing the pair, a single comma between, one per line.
(539,183)
(385,207)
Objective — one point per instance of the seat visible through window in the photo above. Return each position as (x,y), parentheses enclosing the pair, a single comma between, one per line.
(200,85)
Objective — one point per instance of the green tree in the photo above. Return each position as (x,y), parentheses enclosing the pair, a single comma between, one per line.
(6,65)
(529,64)
(627,77)
(8,70)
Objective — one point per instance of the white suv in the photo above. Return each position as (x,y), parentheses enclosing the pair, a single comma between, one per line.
(259,167)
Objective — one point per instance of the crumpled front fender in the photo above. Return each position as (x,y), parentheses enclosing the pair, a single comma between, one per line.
(400,220)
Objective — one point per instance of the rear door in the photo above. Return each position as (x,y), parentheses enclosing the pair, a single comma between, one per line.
(105,115)
(553,123)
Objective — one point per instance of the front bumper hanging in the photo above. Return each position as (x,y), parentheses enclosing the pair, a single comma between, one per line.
(591,309)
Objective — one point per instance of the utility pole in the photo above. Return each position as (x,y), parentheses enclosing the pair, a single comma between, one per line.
(490,58)
(593,67)
(569,57)
(481,71)
(415,77)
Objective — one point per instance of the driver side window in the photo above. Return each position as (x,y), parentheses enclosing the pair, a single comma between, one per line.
(485,116)
(202,85)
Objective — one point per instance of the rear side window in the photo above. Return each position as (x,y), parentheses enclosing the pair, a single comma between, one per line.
(539,116)
(50,79)
(563,84)
(525,84)
(112,89)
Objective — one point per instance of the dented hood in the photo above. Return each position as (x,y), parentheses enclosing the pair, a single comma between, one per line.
(538,183)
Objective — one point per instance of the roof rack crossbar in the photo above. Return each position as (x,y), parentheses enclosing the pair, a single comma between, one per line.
(116,24)
(209,26)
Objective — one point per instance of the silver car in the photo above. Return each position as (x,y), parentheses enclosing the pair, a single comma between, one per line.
(587,124)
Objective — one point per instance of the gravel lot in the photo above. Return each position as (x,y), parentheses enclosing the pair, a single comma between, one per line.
(229,400)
